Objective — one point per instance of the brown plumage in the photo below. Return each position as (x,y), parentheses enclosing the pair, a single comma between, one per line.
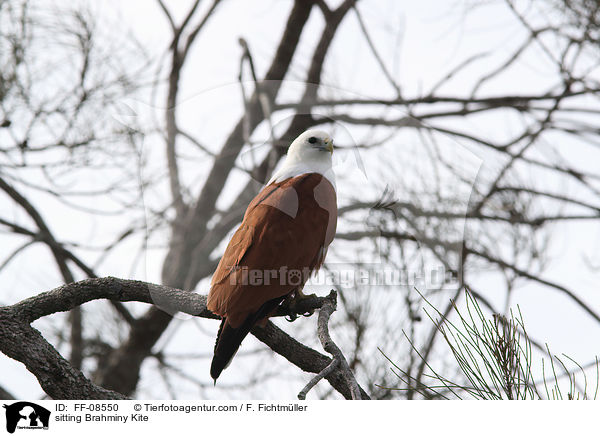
(283,238)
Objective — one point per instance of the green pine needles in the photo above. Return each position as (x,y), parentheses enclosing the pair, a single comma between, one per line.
(495,360)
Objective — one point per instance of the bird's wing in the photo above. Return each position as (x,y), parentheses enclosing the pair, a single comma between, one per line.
(282,239)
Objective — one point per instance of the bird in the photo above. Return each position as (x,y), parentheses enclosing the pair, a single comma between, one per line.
(282,240)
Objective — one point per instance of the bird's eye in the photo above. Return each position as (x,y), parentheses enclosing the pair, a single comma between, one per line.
(312,139)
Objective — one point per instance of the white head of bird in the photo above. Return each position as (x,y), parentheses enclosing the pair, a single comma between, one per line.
(309,153)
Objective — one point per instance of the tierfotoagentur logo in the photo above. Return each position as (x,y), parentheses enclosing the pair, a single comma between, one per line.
(27,416)
(344,276)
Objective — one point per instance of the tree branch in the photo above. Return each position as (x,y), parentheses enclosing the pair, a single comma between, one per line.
(57,377)
(5,395)
(60,380)
(339,361)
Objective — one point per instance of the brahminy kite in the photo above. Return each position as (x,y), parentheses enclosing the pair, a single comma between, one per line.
(283,238)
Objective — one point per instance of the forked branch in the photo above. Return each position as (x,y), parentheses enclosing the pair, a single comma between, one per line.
(59,379)
(339,363)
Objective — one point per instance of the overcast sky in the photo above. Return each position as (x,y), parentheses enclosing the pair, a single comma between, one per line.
(420,41)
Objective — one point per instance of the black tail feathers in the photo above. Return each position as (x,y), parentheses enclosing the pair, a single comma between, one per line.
(228,342)
(229,339)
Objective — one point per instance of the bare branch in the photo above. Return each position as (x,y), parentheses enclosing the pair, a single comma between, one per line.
(316,379)
(5,395)
(56,376)
(376,54)
(329,306)
(167,14)
(72,295)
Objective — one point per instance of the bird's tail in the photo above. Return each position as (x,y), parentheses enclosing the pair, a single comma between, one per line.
(229,339)
(228,342)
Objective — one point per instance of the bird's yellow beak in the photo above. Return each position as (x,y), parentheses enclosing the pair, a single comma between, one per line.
(328,144)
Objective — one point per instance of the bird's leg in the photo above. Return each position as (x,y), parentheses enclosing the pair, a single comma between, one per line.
(293,300)
(299,295)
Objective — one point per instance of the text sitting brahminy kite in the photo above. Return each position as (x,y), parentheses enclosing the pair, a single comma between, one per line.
(283,238)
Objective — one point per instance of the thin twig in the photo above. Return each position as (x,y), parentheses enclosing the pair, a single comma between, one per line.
(317,378)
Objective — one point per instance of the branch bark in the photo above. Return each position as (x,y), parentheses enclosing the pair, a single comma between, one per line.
(60,380)
(5,395)
(57,377)
(339,361)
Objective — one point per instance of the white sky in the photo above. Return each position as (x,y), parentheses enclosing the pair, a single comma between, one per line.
(421,40)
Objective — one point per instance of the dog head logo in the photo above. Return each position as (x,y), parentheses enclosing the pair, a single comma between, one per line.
(26,415)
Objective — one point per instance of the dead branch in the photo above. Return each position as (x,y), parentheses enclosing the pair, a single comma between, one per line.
(339,361)
(59,379)
(5,395)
